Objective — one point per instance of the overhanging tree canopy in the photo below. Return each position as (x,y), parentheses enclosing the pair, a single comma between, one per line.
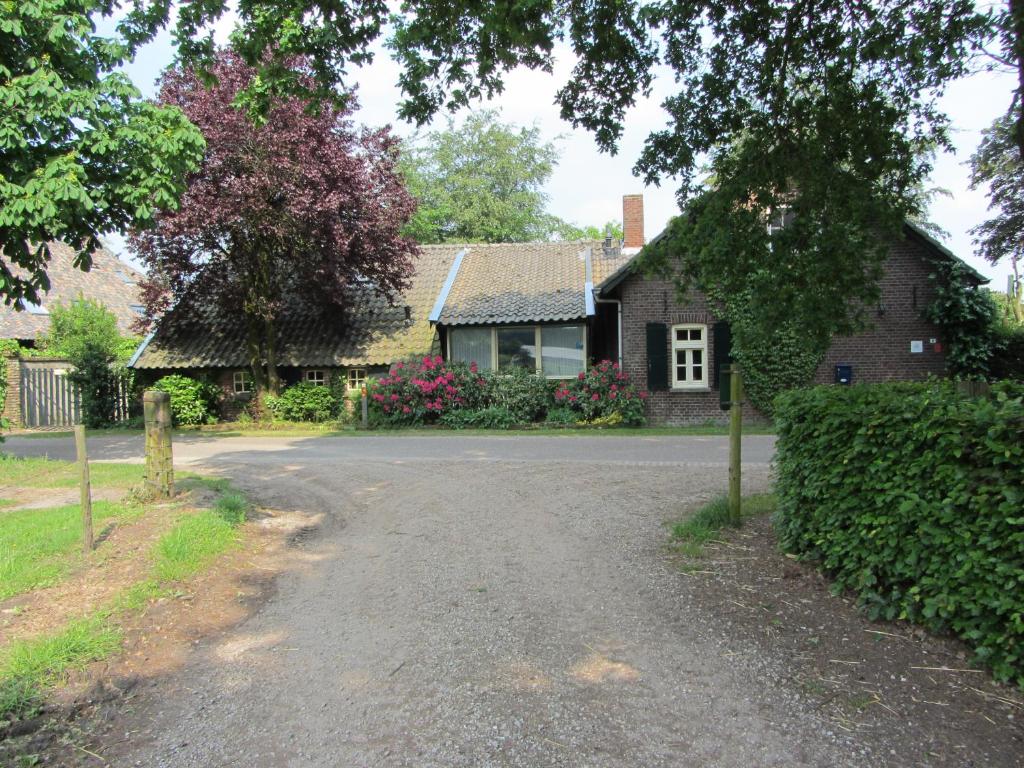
(298,209)
(81,154)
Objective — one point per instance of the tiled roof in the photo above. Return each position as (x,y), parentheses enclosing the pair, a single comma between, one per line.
(110,281)
(525,282)
(368,332)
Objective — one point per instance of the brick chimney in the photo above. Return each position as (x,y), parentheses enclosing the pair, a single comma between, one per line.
(632,221)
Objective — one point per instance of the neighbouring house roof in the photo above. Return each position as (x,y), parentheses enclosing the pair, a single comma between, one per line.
(369,331)
(933,250)
(110,281)
(525,282)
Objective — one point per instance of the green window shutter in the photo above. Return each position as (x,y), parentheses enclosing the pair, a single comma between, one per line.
(722,349)
(657,357)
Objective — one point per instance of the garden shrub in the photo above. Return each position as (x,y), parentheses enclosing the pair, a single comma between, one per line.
(1007,360)
(422,392)
(304,401)
(492,417)
(562,417)
(522,393)
(600,392)
(98,383)
(912,496)
(192,401)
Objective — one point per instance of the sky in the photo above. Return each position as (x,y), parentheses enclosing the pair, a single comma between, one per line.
(587,185)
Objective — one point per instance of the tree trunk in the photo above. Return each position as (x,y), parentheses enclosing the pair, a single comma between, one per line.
(1016,33)
(259,376)
(273,379)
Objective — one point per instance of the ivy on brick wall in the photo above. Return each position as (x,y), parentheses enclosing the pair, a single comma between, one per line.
(772,359)
(966,317)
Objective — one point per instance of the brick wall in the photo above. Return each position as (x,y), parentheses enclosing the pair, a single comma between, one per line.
(881,353)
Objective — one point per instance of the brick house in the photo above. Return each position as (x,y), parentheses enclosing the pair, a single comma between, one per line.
(552,308)
(675,348)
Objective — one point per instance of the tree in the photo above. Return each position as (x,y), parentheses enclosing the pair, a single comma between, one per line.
(591,232)
(80,153)
(85,323)
(997,163)
(299,209)
(86,333)
(481,181)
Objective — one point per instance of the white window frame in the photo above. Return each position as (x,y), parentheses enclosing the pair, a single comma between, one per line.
(539,355)
(242,383)
(311,377)
(690,345)
(355,378)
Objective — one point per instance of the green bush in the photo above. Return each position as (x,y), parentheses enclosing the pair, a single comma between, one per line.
(193,401)
(522,393)
(912,496)
(304,401)
(1008,358)
(562,417)
(602,396)
(493,417)
(98,383)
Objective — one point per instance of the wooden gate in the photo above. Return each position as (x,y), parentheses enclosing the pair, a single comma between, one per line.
(48,399)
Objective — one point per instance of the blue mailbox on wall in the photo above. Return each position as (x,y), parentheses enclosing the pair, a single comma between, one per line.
(844,374)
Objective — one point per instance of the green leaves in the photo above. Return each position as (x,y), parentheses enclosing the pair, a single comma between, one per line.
(80,153)
(910,495)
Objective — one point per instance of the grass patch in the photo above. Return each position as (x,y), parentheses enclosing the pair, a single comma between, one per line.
(690,535)
(198,538)
(27,666)
(7,503)
(51,473)
(39,546)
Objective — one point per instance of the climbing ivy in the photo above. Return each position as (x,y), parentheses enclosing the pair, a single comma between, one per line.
(966,318)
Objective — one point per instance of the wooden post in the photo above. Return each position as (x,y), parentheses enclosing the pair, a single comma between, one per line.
(86,497)
(156,409)
(735,443)
(366,410)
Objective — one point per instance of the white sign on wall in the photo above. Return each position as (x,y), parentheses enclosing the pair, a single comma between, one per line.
(916,347)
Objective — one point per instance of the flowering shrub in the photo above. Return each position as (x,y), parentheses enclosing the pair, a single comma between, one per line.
(422,392)
(602,391)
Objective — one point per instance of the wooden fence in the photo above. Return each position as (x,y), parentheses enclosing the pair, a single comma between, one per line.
(49,401)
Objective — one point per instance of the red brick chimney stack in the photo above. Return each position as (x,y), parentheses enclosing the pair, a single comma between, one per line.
(632,221)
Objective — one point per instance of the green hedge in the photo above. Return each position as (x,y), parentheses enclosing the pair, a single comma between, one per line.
(304,401)
(912,496)
(193,401)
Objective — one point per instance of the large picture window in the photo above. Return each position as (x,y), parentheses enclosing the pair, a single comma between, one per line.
(517,348)
(561,350)
(556,351)
(689,356)
(471,345)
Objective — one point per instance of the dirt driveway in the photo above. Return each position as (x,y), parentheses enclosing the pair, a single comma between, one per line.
(475,602)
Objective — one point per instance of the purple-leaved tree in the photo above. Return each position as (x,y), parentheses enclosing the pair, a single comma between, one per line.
(298,208)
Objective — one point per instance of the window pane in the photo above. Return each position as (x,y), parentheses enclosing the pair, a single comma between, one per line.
(680,357)
(681,372)
(472,345)
(695,356)
(695,334)
(561,349)
(516,348)
(680,334)
(697,373)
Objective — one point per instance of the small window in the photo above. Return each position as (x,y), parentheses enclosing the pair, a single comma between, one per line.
(779,219)
(138,309)
(243,383)
(316,377)
(561,350)
(32,308)
(356,379)
(689,356)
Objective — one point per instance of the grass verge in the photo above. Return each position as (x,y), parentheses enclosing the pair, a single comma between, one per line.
(28,666)
(39,546)
(198,538)
(51,473)
(690,535)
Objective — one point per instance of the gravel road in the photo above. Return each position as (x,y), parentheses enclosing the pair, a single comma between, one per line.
(474,602)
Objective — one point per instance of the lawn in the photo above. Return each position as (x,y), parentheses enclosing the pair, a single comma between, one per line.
(40,546)
(691,534)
